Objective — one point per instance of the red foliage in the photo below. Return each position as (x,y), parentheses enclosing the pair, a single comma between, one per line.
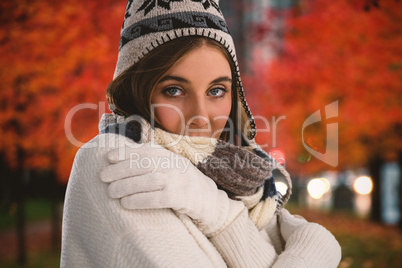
(336,50)
(55,55)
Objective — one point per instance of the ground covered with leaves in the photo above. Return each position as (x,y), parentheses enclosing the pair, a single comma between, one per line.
(364,243)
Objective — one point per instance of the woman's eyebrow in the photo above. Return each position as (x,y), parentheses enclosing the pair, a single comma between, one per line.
(173,77)
(222,79)
(183,80)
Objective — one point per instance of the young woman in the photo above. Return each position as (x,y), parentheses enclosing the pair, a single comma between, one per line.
(175,179)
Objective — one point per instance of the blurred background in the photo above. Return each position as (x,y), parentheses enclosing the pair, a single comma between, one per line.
(323,79)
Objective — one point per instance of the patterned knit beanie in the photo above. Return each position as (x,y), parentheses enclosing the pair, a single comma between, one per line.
(151,23)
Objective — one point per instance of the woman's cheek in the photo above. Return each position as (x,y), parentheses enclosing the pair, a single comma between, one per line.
(170,117)
(220,117)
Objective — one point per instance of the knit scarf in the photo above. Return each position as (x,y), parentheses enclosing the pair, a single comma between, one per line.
(244,173)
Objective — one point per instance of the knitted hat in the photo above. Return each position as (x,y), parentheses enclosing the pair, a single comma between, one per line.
(151,23)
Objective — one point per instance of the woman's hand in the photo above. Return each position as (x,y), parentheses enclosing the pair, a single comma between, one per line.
(289,223)
(151,177)
(307,244)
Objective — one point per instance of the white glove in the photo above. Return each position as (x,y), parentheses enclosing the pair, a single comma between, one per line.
(307,244)
(289,223)
(152,177)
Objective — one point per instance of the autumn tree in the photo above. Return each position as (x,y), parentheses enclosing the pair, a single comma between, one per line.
(55,55)
(344,51)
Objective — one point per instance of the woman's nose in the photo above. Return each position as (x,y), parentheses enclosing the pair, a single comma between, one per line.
(198,116)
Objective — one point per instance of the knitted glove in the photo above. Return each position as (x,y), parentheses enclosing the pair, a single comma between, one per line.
(151,177)
(307,244)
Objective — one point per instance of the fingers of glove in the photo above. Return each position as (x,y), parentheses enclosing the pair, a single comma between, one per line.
(152,191)
(146,200)
(155,200)
(140,150)
(140,184)
(124,169)
(285,216)
(289,223)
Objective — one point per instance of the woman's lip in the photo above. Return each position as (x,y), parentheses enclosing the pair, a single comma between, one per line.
(196,126)
(198,132)
(199,135)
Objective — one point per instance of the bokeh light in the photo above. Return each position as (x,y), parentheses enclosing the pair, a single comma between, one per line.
(279,155)
(281,187)
(318,187)
(363,185)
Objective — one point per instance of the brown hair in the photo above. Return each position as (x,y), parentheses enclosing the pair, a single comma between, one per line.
(130,93)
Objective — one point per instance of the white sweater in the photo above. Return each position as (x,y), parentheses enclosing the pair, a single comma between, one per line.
(99,232)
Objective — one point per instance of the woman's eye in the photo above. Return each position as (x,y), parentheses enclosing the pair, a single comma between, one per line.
(173,91)
(217,92)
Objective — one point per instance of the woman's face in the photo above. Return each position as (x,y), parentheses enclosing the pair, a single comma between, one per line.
(194,96)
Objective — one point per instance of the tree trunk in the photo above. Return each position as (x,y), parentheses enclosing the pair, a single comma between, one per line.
(20,194)
(375,173)
(55,225)
(21,222)
(54,199)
